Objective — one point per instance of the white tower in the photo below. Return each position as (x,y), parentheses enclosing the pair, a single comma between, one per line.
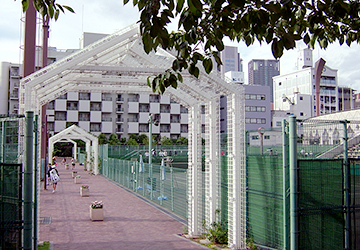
(304,59)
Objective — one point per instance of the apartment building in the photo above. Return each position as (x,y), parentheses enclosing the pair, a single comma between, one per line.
(288,87)
(121,114)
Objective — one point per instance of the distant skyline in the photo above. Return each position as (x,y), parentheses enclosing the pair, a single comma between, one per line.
(109,16)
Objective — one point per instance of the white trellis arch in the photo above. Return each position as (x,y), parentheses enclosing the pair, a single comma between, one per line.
(74,146)
(74,132)
(118,64)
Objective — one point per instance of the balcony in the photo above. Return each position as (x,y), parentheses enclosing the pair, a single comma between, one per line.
(107,98)
(120,99)
(84,119)
(144,110)
(14,96)
(120,110)
(95,108)
(134,119)
(16,106)
(106,119)
(120,120)
(175,120)
(16,85)
(72,108)
(133,99)
(119,130)
(60,118)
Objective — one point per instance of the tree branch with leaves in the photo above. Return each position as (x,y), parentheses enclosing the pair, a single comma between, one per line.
(203,24)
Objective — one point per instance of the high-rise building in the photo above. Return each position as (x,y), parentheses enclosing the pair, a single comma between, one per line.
(231,60)
(261,72)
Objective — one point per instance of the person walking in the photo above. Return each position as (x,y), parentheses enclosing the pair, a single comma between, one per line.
(72,163)
(54,176)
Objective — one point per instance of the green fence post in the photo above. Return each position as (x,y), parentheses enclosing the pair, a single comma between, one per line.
(150,156)
(285,149)
(28,179)
(35,179)
(172,188)
(3,141)
(346,189)
(294,227)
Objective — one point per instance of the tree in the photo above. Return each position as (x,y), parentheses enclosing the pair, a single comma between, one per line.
(132,141)
(203,24)
(102,139)
(182,141)
(113,140)
(47,8)
(143,139)
(166,141)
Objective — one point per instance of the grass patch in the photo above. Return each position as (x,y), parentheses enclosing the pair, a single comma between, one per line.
(45,246)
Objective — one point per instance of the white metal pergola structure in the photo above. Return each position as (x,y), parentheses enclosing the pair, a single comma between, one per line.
(74,146)
(118,64)
(91,141)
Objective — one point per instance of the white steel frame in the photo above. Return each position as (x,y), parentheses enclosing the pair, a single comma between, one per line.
(74,144)
(118,64)
(74,132)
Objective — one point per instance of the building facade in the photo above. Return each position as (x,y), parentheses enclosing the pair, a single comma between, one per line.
(261,72)
(288,88)
(121,114)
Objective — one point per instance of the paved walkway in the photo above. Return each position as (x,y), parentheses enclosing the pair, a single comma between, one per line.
(129,222)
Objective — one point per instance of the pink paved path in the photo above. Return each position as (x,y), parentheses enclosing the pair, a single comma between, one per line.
(129,222)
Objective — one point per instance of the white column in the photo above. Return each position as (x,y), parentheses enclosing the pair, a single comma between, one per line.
(212,152)
(88,155)
(194,171)
(95,152)
(236,170)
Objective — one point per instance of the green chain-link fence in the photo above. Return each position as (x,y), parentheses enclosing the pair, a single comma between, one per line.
(11,222)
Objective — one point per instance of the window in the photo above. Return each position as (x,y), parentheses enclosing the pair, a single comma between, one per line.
(301,98)
(255,120)
(255,137)
(60,116)
(267,137)
(255,97)
(301,114)
(72,105)
(84,116)
(278,124)
(84,96)
(95,127)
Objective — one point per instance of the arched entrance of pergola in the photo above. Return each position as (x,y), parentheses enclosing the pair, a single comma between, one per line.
(91,141)
(72,142)
(118,64)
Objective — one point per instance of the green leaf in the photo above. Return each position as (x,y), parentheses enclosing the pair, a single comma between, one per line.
(179,77)
(276,48)
(126,1)
(69,8)
(147,41)
(25,5)
(208,65)
(217,58)
(306,38)
(56,14)
(179,5)
(195,6)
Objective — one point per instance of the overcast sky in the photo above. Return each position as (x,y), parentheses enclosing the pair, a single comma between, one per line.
(109,16)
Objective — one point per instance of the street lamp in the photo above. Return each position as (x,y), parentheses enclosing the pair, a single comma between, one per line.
(261,131)
(152,120)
